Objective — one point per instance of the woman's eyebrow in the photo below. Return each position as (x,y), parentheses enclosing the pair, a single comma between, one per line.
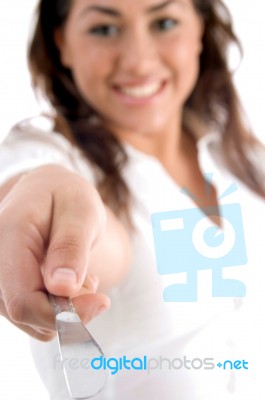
(160,6)
(100,9)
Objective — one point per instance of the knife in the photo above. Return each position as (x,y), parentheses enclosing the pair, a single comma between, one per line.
(77,349)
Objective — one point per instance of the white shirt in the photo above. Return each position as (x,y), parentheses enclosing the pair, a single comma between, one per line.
(140,321)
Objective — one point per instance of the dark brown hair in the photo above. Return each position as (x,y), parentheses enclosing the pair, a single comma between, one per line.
(213,102)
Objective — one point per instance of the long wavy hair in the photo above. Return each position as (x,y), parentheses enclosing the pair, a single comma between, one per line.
(212,104)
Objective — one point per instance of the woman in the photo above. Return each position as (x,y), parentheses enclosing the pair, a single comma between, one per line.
(136,87)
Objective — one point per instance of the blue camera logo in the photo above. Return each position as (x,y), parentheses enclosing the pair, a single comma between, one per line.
(188,241)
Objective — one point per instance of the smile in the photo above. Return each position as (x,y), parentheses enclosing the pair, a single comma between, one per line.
(141,91)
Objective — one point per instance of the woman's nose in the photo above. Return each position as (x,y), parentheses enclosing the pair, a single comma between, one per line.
(138,54)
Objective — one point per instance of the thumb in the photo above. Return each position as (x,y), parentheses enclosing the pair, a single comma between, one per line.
(76,225)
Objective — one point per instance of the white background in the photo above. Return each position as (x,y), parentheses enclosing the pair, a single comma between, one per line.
(18,379)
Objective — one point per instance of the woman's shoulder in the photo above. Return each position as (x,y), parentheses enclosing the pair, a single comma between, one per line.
(39,129)
(35,141)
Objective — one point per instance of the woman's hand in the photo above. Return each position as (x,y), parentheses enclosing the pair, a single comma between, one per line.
(53,228)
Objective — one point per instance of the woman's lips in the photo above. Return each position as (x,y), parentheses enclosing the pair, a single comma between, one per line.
(140,92)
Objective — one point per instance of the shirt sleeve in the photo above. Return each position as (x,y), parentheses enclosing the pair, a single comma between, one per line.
(28,146)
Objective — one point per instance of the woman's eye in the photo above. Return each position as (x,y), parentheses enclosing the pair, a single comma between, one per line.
(165,24)
(105,30)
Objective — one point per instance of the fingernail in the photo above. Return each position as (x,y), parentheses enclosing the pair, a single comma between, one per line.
(64,275)
(99,310)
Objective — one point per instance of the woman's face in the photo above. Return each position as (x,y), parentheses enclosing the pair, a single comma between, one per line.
(134,61)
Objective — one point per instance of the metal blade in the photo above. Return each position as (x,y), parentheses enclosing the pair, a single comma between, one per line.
(78,348)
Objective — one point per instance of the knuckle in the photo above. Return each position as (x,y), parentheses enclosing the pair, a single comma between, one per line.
(2,308)
(16,309)
(65,244)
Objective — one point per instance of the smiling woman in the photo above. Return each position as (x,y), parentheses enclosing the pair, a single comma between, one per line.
(135,68)
(143,104)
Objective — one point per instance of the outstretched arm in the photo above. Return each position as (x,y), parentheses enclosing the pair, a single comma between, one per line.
(56,235)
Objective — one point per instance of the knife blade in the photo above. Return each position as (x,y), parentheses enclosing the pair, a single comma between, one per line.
(77,349)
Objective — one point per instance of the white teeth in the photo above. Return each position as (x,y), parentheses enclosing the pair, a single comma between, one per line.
(141,91)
